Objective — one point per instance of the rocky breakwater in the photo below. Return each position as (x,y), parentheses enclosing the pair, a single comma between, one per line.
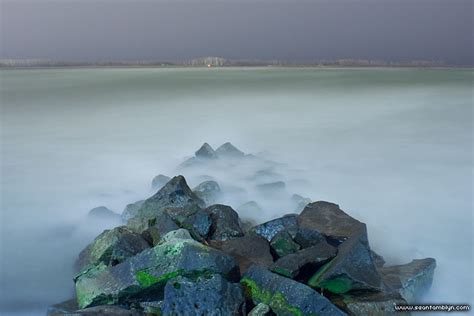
(177,255)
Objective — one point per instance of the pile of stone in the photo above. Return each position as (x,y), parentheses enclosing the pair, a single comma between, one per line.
(178,255)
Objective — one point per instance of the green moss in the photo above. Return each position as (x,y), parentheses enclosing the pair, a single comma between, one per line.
(284,246)
(283,272)
(280,306)
(146,280)
(253,291)
(340,284)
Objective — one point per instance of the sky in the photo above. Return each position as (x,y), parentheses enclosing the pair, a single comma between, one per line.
(300,30)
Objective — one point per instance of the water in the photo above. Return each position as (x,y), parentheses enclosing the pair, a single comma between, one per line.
(393,147)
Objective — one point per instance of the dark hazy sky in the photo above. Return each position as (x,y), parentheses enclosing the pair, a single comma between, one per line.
(293,29)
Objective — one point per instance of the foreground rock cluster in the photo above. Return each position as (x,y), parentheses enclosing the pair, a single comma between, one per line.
(180,254)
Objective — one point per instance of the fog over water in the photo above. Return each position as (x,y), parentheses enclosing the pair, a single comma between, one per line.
(392,147)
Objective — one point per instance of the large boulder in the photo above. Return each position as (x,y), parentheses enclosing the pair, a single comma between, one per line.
(111,247)
(131,210)
(208,294)
(142,278)
(410,280)
(248,250)
(306,259)
(225,222)
(269,229)
(208,191)
(229,150)
(175,194)
(159,181)
(206,152)
(285,296)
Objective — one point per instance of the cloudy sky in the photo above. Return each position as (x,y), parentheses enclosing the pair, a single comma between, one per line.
(291,30)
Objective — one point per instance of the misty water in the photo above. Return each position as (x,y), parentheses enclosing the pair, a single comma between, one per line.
(392,147)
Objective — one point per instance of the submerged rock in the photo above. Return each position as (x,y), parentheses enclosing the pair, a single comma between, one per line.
(131,210)
(159,181)
(225,222)
(111,247)
(229,150)
(247,251)
(250,207)
(142,277)
(410,280)
(208,294)
(206,152)
(309,259)
(285,296)
(103,213)
(175,194)
(269,229)
(208,191)
(272,188)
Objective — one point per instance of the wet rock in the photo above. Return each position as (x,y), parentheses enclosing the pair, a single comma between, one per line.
(131,210)
(352,269)
(142,277)
(269,229)
(282,244)
(111,247)
(379,261)
(103,213)
(197,222)
(159,181)
(175,194)
(208,191)
(161,223)
(329,220)
(225,222)
(410,280)
(62,308)
(247,251)
(272,188)
(176,236)
(299,202)
(285,296)
(250,208)
(209,294)
(152,307)
(371,304)
(260,310)
(206,152)
(229,150)
(309,259)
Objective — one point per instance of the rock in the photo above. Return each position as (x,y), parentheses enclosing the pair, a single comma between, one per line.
(260,310)
(352,269)
(142,278)
(299,202)
(285,296)
(246,224)
(225,222)
(206,152)
(131,210)
(272,188)
(175,194)
(111,247)
(309,259)
(176,236)
(269,229)
(103,213)
(379,261)
(330,221)
(161,223)
(265,175)
(410,280)
(282,244)
(229,150)
(159,181)
(205,295)
(250,207)
(208,191)
(152,307)
(197,222)
(247,251)
(70,307)
(371,304)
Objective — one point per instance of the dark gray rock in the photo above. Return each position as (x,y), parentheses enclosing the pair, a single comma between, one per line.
(131,210)
(269,229)
(161,223)
(410,280)
(225,222)
(247,251)
(205,295)
(159,181)
(103,213)
(198,222)
(175,194)
(111,247)
(282,244)
(352,269)
(206,152)
(142,278)
(208,191)
(310,258)
(379,261)
(229,150)
(285,296)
